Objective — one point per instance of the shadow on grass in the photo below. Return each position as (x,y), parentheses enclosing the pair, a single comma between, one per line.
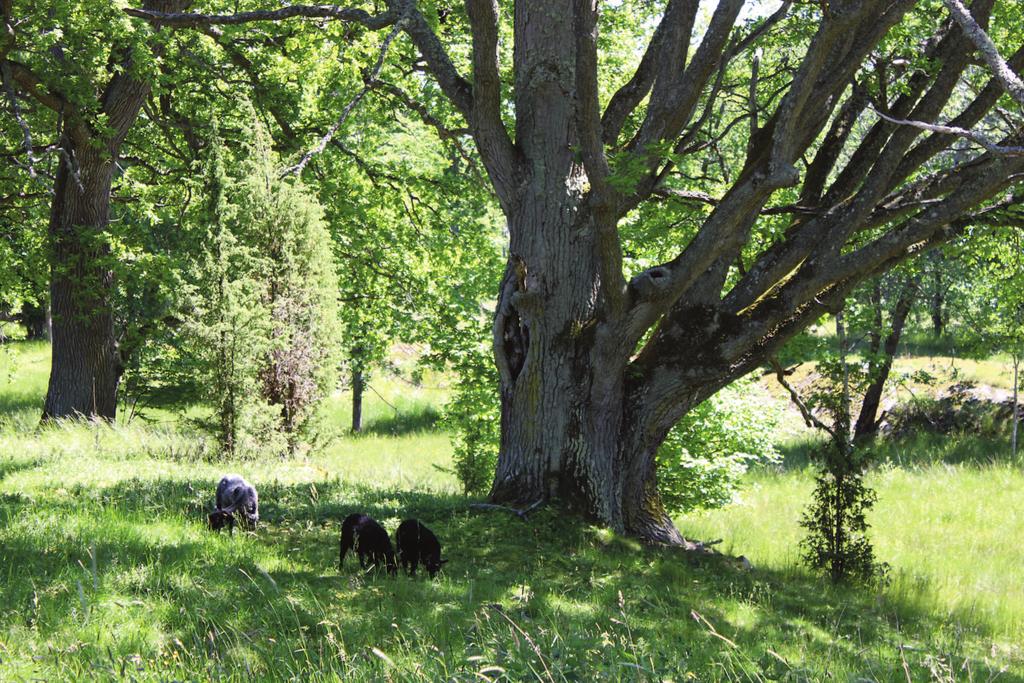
(917,450)
(552,594)
(13,466)
(420,419)
(19,412)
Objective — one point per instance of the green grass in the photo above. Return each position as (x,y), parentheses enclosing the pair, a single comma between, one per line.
(107,572)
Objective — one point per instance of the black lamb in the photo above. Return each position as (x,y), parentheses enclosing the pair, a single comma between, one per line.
(416,543)
(235,496)
(370,541)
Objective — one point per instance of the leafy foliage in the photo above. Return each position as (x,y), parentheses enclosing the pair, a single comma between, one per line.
(259,305)
(473,416)
(702,460)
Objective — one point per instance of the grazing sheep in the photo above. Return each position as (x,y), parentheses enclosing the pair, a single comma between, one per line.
(416,543)
(370,541)
(235,496)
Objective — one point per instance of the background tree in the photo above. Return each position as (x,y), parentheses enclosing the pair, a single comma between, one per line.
(93,71)
(260,333)
(991,317)
(891,299)
(836,521)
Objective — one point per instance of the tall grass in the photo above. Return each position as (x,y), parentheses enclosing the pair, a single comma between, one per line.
(108,573)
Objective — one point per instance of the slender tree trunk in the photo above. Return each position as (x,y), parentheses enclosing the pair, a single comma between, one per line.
(843,452)
(85,364)
(357,400)
(938,298)
(867,420)
(1016,384)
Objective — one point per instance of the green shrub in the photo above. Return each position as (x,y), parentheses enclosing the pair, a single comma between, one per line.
(705,455)
(473,415)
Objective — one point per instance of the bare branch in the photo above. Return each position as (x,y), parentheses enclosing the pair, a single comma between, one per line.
(755,69)
(370,79)
(588,113)
(454,86)
(30,83)
(72,164)
(809,418)
(195,20)
(672,105)
(1002,71)
(686,195)
(521,514)
(628,97)
(971,135)
(26,132)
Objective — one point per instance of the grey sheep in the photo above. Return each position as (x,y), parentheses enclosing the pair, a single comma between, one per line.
(235,496)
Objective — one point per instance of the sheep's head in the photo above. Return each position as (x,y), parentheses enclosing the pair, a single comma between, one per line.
(218,519)
(252,515)
(434,565)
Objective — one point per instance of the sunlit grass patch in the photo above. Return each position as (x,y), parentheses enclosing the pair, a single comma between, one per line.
(107,571)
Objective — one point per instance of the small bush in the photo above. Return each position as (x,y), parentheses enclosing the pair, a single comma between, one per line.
(704,456)
(836,519)
(473,414)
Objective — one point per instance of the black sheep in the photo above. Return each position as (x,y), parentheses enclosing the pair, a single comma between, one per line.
(218,519)
(235,496)
(416,543)
(370,541)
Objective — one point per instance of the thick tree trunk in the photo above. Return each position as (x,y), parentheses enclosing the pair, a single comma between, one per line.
(574,426)
(561,393)
(867,420)
(570,429)
(85,364)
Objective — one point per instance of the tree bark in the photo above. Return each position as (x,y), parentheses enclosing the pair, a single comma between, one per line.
(85,365)
(1015,418)
(357,400)
(938,298)
(867,419)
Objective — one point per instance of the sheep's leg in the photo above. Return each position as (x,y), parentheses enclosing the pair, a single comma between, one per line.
(389,562)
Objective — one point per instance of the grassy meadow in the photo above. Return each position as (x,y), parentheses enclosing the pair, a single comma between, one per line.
(108,573)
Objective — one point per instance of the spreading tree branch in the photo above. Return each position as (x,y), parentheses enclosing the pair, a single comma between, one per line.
(493,141)
(369,80)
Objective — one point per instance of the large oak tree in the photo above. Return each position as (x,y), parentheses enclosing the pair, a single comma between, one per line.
(597,363)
